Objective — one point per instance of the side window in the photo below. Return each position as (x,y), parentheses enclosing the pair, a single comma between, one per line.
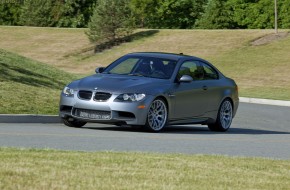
(209,72)
(193,69)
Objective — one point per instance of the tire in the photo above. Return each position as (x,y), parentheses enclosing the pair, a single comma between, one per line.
(157,116)
(224,118)
(73,122)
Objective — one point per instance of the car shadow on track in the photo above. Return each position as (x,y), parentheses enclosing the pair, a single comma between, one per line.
(188,130)
(205,130)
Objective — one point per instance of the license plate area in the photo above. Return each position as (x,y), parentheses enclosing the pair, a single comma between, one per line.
(92,114)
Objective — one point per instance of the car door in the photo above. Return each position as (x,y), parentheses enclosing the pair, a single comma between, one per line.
(190,97)
(214,89)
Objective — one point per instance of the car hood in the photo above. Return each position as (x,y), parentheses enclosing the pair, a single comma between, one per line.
(122,84)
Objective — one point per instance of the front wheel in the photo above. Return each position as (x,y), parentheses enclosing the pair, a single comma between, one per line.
(157,116)
(73,122)
(224,118)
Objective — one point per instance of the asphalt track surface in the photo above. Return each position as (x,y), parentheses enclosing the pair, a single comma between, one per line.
(257,131)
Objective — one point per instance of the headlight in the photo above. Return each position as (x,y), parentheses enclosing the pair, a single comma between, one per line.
(68,91)
(130,97)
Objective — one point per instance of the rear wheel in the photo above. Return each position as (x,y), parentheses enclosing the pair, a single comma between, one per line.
(157,116)
(73,122)
(224,118)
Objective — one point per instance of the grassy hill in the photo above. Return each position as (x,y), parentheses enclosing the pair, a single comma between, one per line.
(69,49)
(29,86)
(260,71)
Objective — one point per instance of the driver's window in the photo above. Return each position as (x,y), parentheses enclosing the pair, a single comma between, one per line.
(191,68)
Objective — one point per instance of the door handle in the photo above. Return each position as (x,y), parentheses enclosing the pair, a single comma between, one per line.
(204,87)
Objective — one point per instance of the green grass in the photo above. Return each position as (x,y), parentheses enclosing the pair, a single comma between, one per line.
(260,71)
(47,45)
(51,169)
(32,84)
(28,86)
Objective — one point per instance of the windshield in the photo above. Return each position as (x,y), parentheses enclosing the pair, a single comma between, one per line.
(143,66)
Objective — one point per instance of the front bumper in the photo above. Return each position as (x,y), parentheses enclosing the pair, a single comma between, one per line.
(131,113)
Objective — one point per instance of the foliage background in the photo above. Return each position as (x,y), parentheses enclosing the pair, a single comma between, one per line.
(181,14)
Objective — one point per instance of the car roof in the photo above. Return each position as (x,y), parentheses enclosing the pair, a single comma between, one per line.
(163,55)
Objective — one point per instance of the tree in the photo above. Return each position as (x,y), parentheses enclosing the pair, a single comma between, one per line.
(217,15)
(260,15)
(37,13)
(69,13)
(284,13)
(179,14)
(9,13)
(168,13)
(75,13)
(239,11)
(144,11)
(111,20)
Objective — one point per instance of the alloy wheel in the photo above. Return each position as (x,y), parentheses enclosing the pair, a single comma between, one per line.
(226,114)
(157,115)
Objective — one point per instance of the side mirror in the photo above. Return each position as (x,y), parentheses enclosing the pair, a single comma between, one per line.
(99,69)
(186,78)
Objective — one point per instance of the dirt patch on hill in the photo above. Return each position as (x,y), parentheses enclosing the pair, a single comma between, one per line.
(269,38)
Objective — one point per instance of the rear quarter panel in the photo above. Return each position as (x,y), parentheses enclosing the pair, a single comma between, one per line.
(219,90)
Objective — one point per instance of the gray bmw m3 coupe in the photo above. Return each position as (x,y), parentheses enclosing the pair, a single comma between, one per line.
(152,90)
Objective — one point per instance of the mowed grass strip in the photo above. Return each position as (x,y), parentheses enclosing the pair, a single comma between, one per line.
(28,86)
(51,169)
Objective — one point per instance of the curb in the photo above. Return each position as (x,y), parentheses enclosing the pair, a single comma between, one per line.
(265,101)
(28,118)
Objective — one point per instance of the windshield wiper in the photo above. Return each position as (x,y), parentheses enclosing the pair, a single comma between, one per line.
(136,74)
